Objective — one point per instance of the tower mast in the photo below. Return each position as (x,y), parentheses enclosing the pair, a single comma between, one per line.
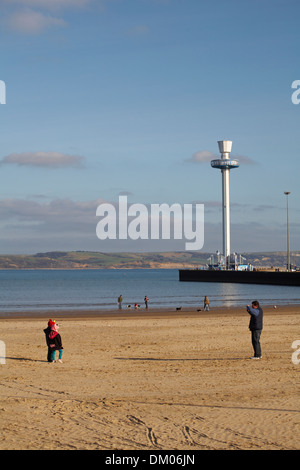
(225,164)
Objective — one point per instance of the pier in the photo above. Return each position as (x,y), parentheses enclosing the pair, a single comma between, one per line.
(280,278)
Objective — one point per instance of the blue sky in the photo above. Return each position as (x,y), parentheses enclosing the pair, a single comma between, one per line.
(130,97)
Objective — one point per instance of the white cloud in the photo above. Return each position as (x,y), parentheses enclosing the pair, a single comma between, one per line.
(245,160)
(29,226)
(58,213)
(47,4)
(43,159)
(36,16)
(33,22)
(202,156)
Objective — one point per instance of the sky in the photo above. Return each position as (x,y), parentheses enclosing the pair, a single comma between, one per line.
(130,97)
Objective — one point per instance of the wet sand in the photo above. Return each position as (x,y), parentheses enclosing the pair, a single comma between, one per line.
(155,380)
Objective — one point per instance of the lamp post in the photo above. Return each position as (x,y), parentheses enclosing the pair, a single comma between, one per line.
(287,229)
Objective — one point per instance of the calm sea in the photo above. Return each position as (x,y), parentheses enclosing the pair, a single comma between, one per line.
(42,290)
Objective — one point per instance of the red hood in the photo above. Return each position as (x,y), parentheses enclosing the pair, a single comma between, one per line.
(52,334)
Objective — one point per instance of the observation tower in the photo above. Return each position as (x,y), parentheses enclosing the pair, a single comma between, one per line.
(225,164)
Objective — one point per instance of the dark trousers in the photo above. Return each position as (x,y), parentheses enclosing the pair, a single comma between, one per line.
(255,334)
(49,358)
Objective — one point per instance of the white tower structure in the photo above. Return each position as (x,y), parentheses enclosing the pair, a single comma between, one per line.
(225,164)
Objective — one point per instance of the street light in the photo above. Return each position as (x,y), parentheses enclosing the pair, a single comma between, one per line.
(287,229)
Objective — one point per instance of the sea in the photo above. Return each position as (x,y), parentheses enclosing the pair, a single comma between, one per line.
(97,289)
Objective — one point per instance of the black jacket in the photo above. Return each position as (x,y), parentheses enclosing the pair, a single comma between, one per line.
(47,332)
(256,319)
(55,342)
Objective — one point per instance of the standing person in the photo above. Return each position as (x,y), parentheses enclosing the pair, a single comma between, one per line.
(146,300)
(120,300)
(255,326)
(47,331)
(55,343)
(206,304)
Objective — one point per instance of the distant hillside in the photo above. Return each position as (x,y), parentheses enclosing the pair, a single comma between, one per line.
(96,260)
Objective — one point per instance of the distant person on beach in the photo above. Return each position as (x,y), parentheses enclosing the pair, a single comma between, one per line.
(55,343)
(146,300)
(47,331)
(120,300)
(206,304)
(255,326)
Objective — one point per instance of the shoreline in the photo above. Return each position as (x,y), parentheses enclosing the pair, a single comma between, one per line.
(117,314)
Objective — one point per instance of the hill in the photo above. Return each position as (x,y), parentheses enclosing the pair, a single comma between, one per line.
(98,260)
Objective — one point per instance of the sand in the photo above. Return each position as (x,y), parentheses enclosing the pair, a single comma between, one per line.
(151,381)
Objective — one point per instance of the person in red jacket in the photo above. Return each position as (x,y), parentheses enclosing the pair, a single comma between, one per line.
(47,331)
(55,343)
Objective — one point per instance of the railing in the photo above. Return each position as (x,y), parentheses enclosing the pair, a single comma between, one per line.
(224,164)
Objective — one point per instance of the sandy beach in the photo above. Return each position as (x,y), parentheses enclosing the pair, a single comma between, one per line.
(151,381)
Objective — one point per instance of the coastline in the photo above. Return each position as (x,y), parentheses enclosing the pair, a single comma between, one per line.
(85,314)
